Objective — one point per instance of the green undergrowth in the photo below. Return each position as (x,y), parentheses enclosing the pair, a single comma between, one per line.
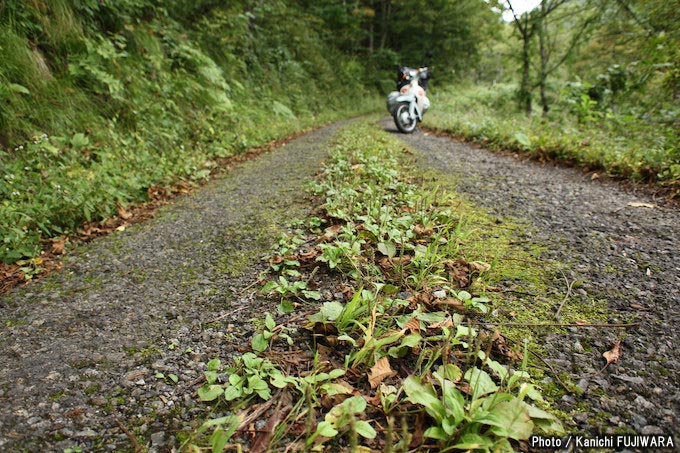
(105,104)
(388,324)
(577,131)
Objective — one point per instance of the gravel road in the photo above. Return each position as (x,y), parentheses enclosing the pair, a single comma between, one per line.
(623,251)
(80,350)
(89,355)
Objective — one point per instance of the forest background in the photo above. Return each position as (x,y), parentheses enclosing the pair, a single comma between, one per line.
(105,103)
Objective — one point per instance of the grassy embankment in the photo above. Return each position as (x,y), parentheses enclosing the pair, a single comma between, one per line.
(106,103)
(405,350)
(577,131)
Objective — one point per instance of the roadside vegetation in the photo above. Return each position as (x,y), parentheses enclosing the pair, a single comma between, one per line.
(107,104)
(592,83)
(577,131)
(382,332)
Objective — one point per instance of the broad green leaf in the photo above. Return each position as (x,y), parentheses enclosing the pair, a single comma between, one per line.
(173,378)
(511,420)
(209,392)
(79,141)
(315,295)
(500,370)
(229,420)
(270,285)
(464,295)
(426,396)
(269,322)
(450,372)
(348,339)
(544,420)
(355,404)
(280,381)
(286,306)
(435,432)
(388,249)
(523,140)
(326,429)
(411,340)
(232,392)
(364,429)
(331,310)
(219,440)
(336,373)
(211,376)
(259,343)
(480,381)
(473,441)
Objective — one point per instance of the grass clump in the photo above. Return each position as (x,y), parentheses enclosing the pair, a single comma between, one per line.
(379,342)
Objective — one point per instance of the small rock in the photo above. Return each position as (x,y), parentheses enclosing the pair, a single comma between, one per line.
(578,347)
(651,430)
(87,432)
(158,439)
(640,401)
(439,294)
(632,379)
(638,421)
(569,399)
(583,384)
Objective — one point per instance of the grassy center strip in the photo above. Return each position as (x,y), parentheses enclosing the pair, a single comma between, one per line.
(377,343)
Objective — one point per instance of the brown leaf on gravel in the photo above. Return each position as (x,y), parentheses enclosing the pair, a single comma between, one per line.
(500,345)
(330,233)
(614,353)
(451,302)
(379,372)
(448,322)
(123,213)
(310,254)
(276,259)
(58,245)
(413,325)
(420,230)
(425,298)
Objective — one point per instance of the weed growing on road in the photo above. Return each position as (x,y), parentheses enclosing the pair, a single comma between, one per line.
(387,302)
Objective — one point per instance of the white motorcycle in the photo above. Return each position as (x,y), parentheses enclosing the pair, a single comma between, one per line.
(409,104)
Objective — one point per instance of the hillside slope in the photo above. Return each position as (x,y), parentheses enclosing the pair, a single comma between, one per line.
(103,101)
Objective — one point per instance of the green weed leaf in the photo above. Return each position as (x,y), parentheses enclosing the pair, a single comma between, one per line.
(364,429)
(209,392)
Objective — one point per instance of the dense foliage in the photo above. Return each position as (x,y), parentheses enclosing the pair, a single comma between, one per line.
(103,100)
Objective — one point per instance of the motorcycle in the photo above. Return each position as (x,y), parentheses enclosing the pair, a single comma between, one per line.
(408,105)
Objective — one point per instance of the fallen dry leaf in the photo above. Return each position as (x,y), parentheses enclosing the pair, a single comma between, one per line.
(448,322)
(58,246)
(413,325)
(330,233)
(379,372)
(452,302)
(614,353)
(123,213)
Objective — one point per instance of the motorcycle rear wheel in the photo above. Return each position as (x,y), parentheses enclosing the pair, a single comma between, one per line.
(403,119)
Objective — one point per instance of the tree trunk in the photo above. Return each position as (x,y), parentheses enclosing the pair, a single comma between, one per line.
(525,87)
(543,74)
